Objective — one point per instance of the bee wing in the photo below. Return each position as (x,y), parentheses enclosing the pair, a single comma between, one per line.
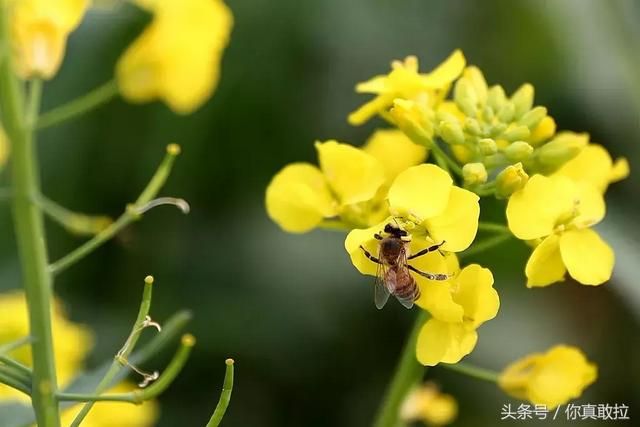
(381,292)
(406,302)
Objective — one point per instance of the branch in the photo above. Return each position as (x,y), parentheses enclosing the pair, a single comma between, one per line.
(225,396)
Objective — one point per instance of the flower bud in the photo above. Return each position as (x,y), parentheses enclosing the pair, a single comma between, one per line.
(474,173)
(511,179)
(518,151)
(496,98)
(545,130)
(479,84)
(517,132)
(472,126)
(505,114)
(564,147)
(533,117)
(465,97)
(487,146)
(413,119)
(452,133)
(523,99)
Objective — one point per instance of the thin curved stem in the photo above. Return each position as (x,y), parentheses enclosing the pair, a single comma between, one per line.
(130,214)
(493,227)
(9,347)
(73,222)
(445,162)
(25,370)
(473,371)
(484,245)
(9,377)
(97,97)
(225,396)
(408,372)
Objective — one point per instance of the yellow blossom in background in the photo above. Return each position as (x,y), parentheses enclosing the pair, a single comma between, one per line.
(116,414)
(301,195)
(458,307)
(405,81)
(552,378)
(594,166)
(39,31)
(427,404)
(72,342)
(177,57)
(560,212)
(4,148)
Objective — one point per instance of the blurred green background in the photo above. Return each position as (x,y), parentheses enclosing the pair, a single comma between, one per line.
(311,349)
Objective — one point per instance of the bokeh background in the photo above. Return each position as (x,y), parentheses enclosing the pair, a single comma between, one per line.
(311,348)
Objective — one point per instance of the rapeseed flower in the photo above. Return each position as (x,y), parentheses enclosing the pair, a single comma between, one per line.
(552,378)
(593,165)
(404,81)
(177,57)
(428,404)
(559,213)
(39,31)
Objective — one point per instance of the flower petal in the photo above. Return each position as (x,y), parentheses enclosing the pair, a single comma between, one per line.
(446,72)
(298,198)
(476,295)
(353,175)
(588,258)
(457,225)
(590,207)
(364,237)
(534,211)
(444,342)
(421,191)
(545,265)
(395,151)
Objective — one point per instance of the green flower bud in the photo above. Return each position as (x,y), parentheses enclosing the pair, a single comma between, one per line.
(511,179)
(518,151)
(564,147)
(488,114)
(479,84)
(474,173)
(452,133)
(496,98)
(533,117)
(505,114)
(487,146)
(472,126)
(465,97)
(414,120)
(495,160)
(497,129)
(523,99)
(517,132)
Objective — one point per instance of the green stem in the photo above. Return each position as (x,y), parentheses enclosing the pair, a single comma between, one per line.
(473,371)
(484,245)
(74,222)
(442,157)
(225,396)
(124,353)
(408,372)
(79,106)
(131,213)
(29,229)
(493,227)
(9,347)
(13,379)
(16,365)
(139,396)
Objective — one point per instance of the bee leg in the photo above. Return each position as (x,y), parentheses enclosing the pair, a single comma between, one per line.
(377,236)
(368,255)
(430,276)
(426,250)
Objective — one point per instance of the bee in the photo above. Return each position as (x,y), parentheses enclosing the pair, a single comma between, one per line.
(394,272)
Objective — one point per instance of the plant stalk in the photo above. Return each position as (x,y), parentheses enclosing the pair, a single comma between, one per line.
(29,230)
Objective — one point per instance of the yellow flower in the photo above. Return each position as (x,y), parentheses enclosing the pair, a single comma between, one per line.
(552,378)
(301,195)
(177,57)
(594,166)
(404,81)
(427,404)
(560,212)
(394,151)
(39,31)
(71,344)
(458,307)
(4,148)
(116,414)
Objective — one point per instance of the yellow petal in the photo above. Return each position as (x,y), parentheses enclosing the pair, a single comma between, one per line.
(588,258)
(590,205)
(298,198)
(457,225)
(377,84)
(182,71)
(395,151)
(475,293)
(534,211)
(444,342)
(364,238)
(447,71)
(545,265)
(370,109)
(435,296)
(354,176)
(421,191)
(594,166)
(620,170)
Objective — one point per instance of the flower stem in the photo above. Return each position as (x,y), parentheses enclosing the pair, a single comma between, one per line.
(473,371)
(29,229)
(225,396)
(14,380)
(98,96)
(484,245)
(493,227)
(408,372)
(443,159)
